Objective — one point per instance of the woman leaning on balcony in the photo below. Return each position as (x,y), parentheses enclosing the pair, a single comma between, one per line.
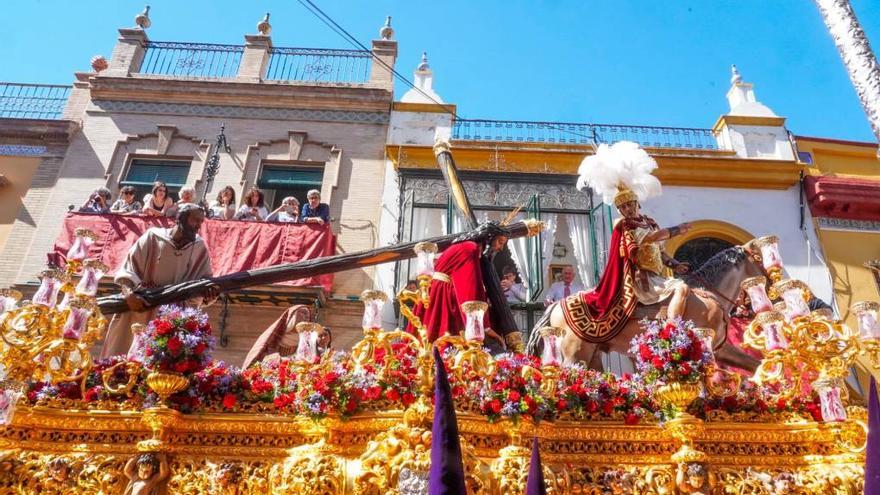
(156,203)
(126,204)
(223,208)
(253,209)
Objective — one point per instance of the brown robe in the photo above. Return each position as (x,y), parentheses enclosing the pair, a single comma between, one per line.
(267,343)
(154,261)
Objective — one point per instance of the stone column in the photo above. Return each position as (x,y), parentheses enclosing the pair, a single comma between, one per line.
(255,60)
(386,51)
(128,54)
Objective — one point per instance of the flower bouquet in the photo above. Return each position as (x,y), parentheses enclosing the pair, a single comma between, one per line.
(512,394)
(179,340)
(670,352)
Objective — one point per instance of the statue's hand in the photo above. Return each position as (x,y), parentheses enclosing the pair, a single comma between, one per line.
(492,335)
(684,227)
(135,302)
(682,268)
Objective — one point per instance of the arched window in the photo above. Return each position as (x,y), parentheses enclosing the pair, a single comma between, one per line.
(697,251)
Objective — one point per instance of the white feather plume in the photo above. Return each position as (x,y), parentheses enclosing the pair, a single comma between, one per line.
(622,163)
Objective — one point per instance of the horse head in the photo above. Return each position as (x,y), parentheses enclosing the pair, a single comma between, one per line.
(724,272)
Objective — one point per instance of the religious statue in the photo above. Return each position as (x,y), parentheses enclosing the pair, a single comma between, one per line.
(694,478)
(229,479)
(280,339)
(59,477)
(147,474)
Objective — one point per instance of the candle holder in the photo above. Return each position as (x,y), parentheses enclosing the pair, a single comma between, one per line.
(307,349)
(474,311)
(551,354)
(796,294)
(79,250)
(832,395)
(869,330)
(50,284)
(425,253)
(770,257)
(756,289)
(92,271)
(373,301)
(77,318)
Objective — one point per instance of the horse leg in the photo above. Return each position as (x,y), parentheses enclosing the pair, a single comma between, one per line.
(574,348)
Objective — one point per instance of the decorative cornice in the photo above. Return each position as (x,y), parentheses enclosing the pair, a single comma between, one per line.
(848,224)
(843,197)
(725,120)
(22,150)
(42,131)
(716,170)
(400,106)
(266,113)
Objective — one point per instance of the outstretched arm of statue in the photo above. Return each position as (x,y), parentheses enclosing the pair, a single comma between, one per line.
(676,266)
(667,233)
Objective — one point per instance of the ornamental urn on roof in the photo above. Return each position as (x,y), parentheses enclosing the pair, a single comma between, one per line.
(143,19)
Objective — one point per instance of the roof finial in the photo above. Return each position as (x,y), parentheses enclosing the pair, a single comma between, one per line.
(386,32)
(735,76)
(143,19)
(424,65)
(99,63)
(263,27)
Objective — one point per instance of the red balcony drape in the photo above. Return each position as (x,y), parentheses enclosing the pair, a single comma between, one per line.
(234,246)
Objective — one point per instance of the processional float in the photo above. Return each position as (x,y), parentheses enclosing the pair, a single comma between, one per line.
(359,422)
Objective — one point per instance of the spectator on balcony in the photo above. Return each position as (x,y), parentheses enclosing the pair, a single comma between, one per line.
(514,291)
(253,209)
(288,212)
(98,202)
(564,288)
(126,204)
(315,211)
(224,207)
(157,202)
(187,195)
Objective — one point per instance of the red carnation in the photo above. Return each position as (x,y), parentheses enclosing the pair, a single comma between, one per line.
(163,327)
(373,393)
(495,406)
(631,419)
(392,395)
(200,348)
(229,401)
(181,367)
(561,405)
(407,399)
(666,332)
(174,346)
(657,362)
(350,406)
(645,352)
(191,325)
(685,368)
(513,396)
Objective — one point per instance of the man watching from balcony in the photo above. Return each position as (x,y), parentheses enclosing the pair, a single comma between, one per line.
(187,195)
(126,204)
(315,211)
(564,288)
(514,292)
(288,212)
(98,202)
(159,257)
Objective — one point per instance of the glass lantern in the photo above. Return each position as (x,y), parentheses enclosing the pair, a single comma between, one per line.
(9,300)
(50,284)
(867,314)
(373,302)
(77,318)
(795,294)
(831,395)
(474,331)
(83,240)
(772,325)
(770,257)
(425,253)
(136,350)
(93,270)
(756,289)
(551,355)
(307,349)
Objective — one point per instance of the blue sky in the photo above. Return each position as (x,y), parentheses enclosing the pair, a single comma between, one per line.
(644,62)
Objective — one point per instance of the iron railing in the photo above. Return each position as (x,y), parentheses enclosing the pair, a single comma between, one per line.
(319,65)
(517,131)
(32,101)
(202,60)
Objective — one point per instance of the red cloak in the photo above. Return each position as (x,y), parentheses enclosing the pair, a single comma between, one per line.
(600,314)
(460,262)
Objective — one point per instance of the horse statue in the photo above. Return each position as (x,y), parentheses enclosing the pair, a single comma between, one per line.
(715,286)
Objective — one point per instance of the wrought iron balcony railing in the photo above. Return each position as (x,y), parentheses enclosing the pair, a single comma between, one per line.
(202,60)
(32,101)
(319,65)
(515,131)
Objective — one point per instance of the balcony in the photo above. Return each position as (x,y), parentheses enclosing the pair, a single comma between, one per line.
(518,131)
(319,65)
(32,101)
(202,60)
(233,245)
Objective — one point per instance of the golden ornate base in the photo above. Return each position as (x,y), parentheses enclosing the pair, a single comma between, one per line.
(56,451)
